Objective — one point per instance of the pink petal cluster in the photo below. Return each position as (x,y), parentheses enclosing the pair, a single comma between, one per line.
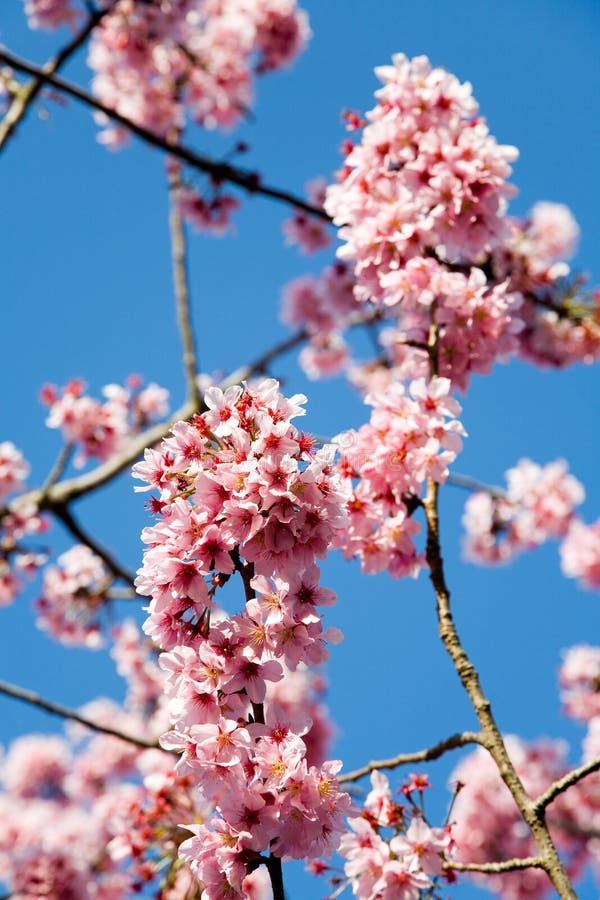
(238,476)
(538,505)
(554,232)
(51,14)
(561,324)
(101,428)
(14,469)
(389,855)
(309,232)
(411,436)
(580,682)
(158,63)
(213,215)
(580,553)
(421,205)
(323,306)
(73,597)
(241,490)
(92,817)
(426,178)
(478,321)
(17,522)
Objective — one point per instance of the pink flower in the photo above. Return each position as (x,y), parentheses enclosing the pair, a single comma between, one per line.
(580,553)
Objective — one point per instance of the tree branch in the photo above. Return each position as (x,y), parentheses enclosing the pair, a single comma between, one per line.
(492,868)
(431,753)
(64,514)
(473,484)
(492,737)
(27,93)
(58,468)
(565,782)
(56,709)
(181,284)
(220,171)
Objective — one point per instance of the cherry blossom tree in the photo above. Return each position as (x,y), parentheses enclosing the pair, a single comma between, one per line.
(217,769)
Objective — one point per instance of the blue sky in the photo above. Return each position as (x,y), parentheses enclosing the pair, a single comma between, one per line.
(87,292)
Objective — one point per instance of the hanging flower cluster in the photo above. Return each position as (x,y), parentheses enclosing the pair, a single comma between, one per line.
(73,597)
(157,63)
(391,852)
(412,436)
(422,207)
(539,504)
(242,490)
(17,522)
(98,429)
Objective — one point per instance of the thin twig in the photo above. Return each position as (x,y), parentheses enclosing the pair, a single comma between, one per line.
(56,709)
(492,868)
(473,484)
(565,782)
(181,283)
(431,753)
(27,93)
(57,469)
(64,514)
(219,171)
(121,593)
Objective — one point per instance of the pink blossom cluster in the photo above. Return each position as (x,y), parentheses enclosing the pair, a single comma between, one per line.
(155,63)
(241,476)
(51,14)
(136,660)
(101,428)
(580,553)
(427,178)
(14,469)
(390,851)
(65,803)
(323,306)
(241,490)
(411,436)
(421,205)
(478,321)
(211,215)
(306,230)
(73,596)
(561,325)
(538,505)
(580,682)
(18,520)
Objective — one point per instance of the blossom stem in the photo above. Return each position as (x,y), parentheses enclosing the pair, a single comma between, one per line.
(64,514)
(430,753)
(56,709)
(181,283)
